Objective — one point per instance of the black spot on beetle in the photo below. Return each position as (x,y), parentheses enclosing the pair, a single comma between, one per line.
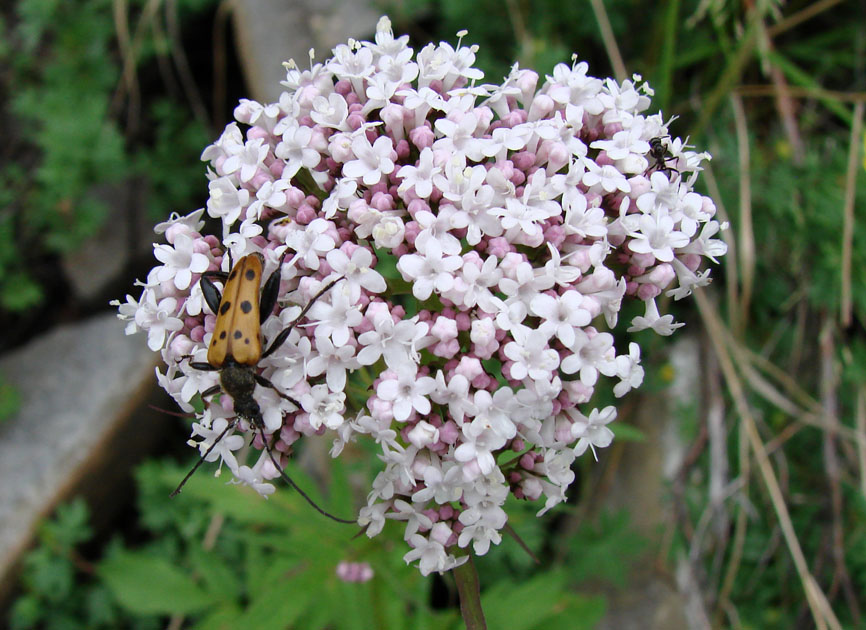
(222,335)
(246,306)
(224,307)
(250,274)
(233,274)
(247,340)
(237,334)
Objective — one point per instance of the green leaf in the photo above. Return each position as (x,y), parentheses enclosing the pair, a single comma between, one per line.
(224,617)
(222,581)
(627,432)
(10,400)
(282,601)
(145,584)
(27,612)
(538,597)
(19,292)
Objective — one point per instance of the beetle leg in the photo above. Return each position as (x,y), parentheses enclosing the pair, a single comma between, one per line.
(210,391)
(204,367)
(269,295)
(270,291)
(284,334)
(231,425)
(261,380)
(211,294)
(291,482)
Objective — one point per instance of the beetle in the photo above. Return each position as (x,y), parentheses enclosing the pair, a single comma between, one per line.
(660,154)
(236,346)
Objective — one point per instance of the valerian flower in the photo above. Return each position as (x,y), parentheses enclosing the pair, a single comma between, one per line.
(484,235)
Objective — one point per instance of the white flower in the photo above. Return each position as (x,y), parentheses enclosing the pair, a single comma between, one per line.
(657,237)
(442,483)
(229,143)
(407,391)
(252,478)
(419,177)
(429,271)
(333,361)
(126,312)
(157,319)
(336,316)
(589,355)
(389,232)
(396,342)
(629,371)
(423,434)
(357,271)
(561,314)
(431,555)
(705,244)
(225,201)
(531,355)
(438,227)
(581,219)
(372,160)
(662,325)
(605,179)
(516,214)
(221,450)
(340,198)
(295,149)
(591,432)
(455,394)
(311,242)
(688,280)
(247,161)
(324,406)
(331,111)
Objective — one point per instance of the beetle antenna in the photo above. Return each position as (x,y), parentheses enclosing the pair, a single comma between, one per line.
(179,414)
(201,459)
(289,481)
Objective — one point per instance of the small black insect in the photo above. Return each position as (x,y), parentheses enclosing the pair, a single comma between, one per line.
(660,154)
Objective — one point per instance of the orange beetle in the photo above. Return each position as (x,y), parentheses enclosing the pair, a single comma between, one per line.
(236,346)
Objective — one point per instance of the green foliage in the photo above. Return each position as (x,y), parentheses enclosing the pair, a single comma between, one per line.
(594,544)
(65,140)
(223,557)
(10,400)
(543,601)
(53,597)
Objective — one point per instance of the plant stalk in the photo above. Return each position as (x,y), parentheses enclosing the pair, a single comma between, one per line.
(469,591)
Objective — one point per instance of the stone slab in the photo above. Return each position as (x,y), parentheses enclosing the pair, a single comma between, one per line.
(270,32)
(79,384)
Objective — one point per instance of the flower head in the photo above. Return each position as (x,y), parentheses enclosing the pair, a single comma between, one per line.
(478,235)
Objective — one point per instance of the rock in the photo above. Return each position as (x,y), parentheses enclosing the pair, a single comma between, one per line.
(650,599)
(269,33)
(79,386)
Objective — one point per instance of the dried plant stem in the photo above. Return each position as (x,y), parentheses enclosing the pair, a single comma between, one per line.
(860,420)
(819,606)
(848,214)
(610,45)
(469,591)
(829,387)
(746,236)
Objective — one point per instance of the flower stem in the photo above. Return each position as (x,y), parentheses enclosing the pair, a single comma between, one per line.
(470,595)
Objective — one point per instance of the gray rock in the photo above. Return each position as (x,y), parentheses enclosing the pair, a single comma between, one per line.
(79,385)
(269,33)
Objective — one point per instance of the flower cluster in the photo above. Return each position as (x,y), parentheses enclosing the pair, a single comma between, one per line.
(486,237)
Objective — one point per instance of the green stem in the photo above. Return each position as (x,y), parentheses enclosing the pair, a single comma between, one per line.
(470,595)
